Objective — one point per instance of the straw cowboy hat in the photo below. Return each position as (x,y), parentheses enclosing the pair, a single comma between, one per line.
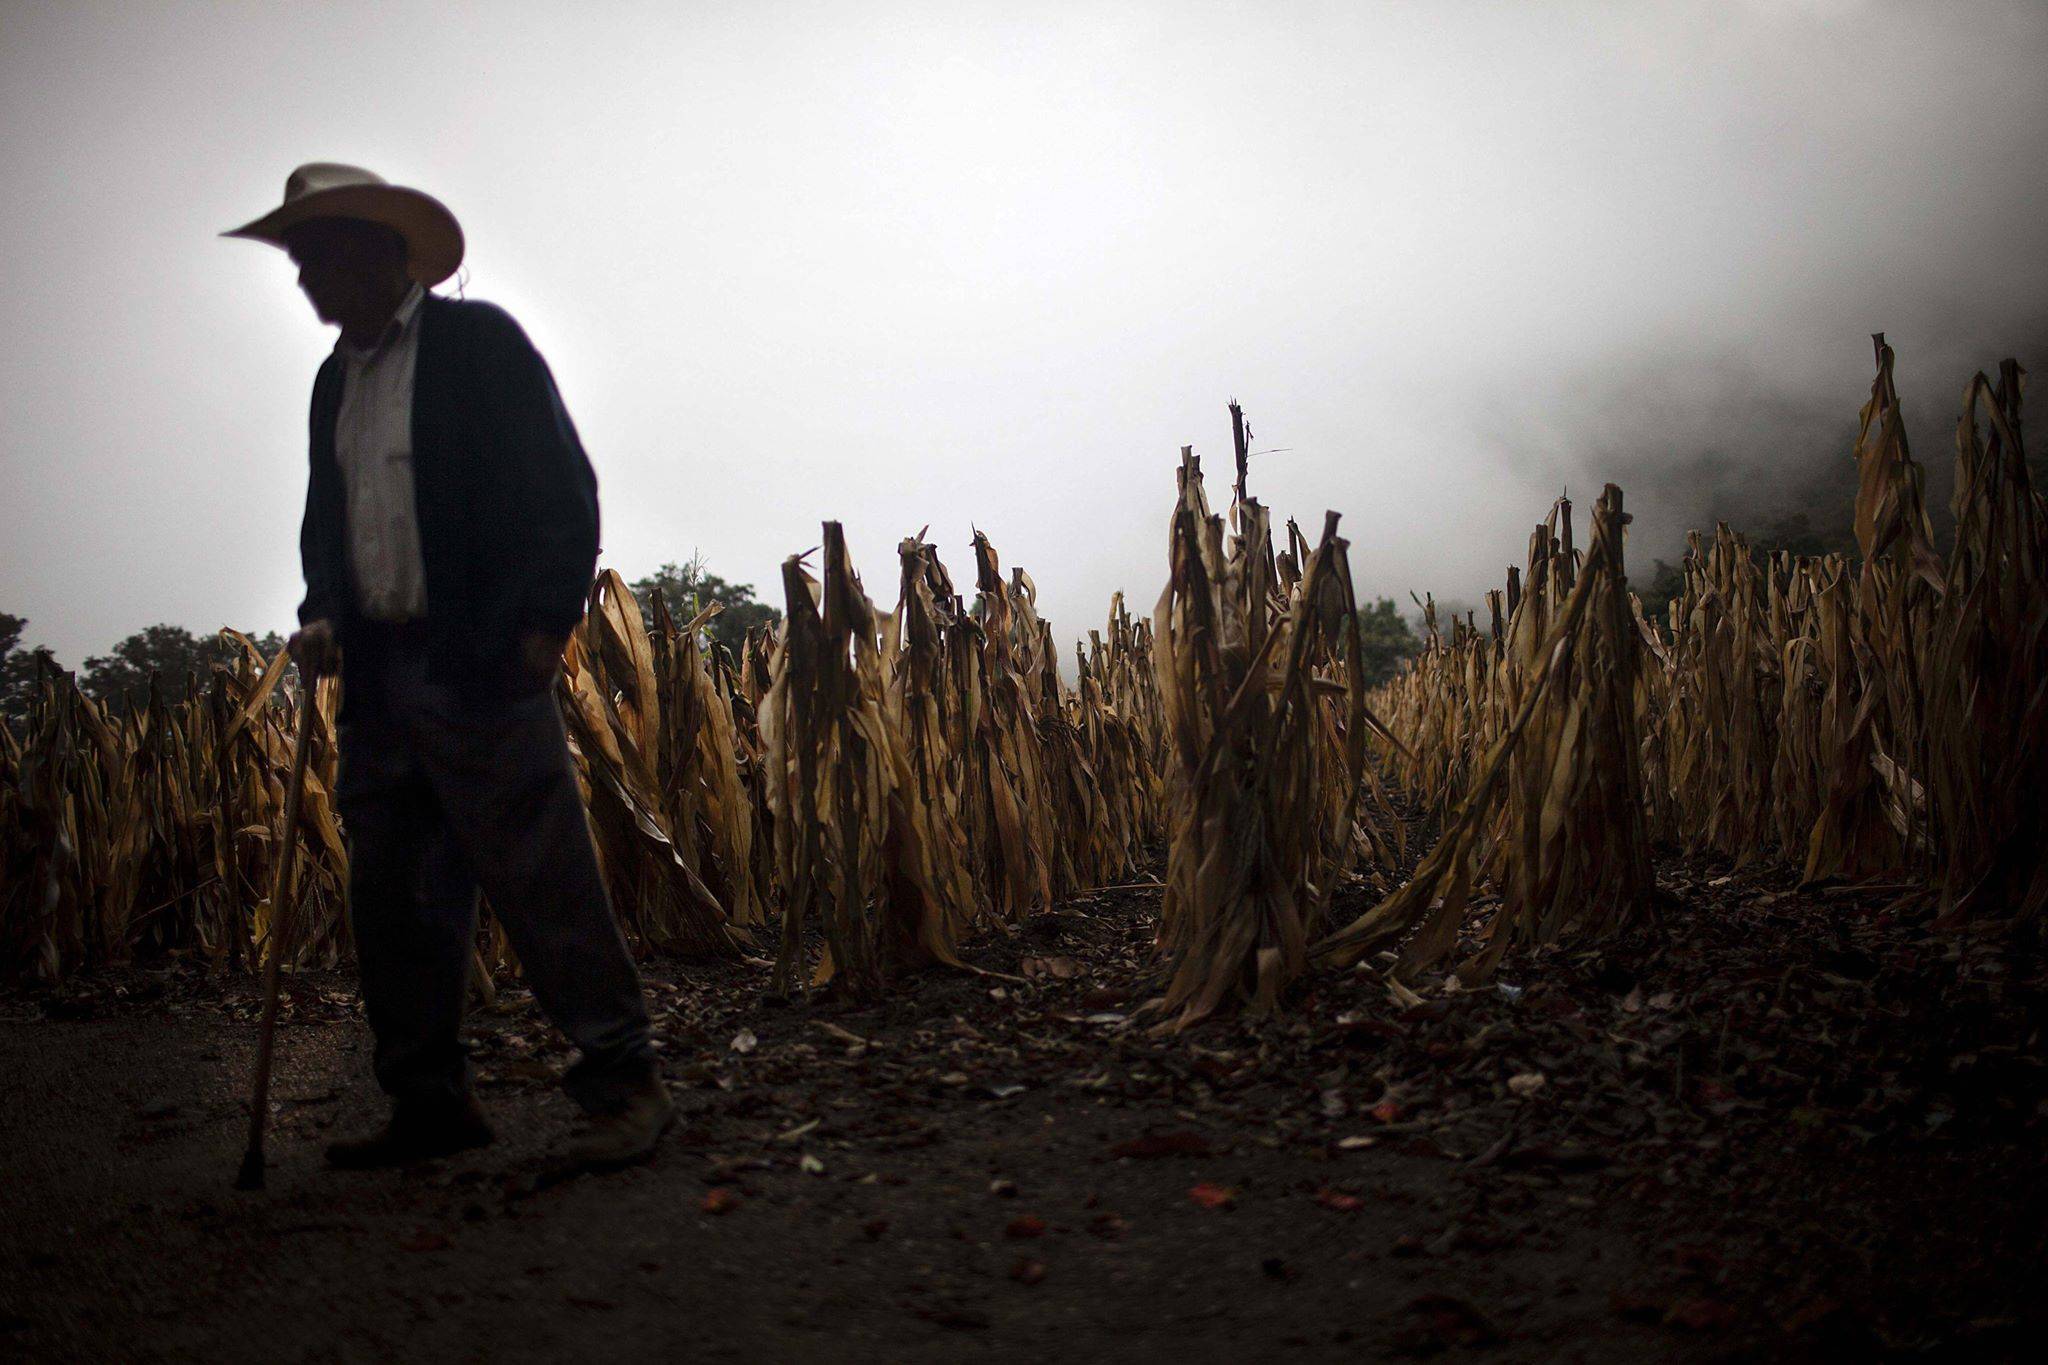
(326,189)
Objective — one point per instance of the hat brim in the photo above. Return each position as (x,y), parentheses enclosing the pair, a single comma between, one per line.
(433,238)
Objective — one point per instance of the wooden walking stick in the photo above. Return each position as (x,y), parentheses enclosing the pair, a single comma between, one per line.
(282,922)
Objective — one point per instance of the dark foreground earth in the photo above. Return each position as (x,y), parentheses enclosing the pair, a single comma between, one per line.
(1795,1126)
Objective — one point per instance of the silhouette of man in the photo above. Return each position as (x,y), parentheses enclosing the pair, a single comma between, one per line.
(449,541)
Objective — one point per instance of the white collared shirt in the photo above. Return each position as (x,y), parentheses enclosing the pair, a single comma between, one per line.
(373,445)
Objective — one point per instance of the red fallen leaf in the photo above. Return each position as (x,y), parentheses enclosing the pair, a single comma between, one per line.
(1387,1111)
(1108,1226)
(1027,1271)
(1339,1201)
(1453,1321)
(1709,1091)
(720,1200)
(1153,1145)
(1211,1196)
(1024,1226)
(425,1241)
(1635,1306)
(1698,1260)
(1811,1314)
(1700,1315)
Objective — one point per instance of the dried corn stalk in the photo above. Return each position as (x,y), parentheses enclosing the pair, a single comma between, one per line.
(1266,723)
(852,844)
(1987,671)
(911,779)
(157,830)
(610,698)
(1552,817)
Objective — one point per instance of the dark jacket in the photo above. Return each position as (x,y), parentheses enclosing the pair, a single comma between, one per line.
(506,498)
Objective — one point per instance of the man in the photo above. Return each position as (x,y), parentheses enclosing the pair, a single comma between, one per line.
(449,541)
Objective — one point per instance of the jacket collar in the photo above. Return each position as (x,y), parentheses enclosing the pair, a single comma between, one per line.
(401,322)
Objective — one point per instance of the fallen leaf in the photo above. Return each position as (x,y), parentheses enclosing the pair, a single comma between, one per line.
(1694,1259)
(1153,1145)
(1634,1306)
(1339,1201)
(1024,1226)
(1709,1091)
(998,1092)
(1811,1314)
(847,1036)
(1211,1196)
(720,1200)
(1699,1314)
(1453,1321)
(1543,1157)
(1027,1271)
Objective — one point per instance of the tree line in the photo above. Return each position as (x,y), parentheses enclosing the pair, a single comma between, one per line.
(179,659)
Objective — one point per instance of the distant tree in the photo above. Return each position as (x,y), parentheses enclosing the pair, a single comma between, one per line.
(1796,534)
(17,668)
(1792,532)
(1667,581)
(687,589)
(1385,639)
(172,654)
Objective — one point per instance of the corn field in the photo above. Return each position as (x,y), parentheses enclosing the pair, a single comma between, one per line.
(883,787)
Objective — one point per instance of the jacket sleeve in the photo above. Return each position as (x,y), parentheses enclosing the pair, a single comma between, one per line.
(320,531)
(553,485)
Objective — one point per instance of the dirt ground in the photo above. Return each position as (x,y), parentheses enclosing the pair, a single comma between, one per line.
(1789,1126)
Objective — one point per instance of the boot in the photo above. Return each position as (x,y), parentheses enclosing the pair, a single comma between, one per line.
(419,1130)
(619,1137)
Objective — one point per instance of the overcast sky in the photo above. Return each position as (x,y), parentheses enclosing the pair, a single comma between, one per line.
(993,265)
